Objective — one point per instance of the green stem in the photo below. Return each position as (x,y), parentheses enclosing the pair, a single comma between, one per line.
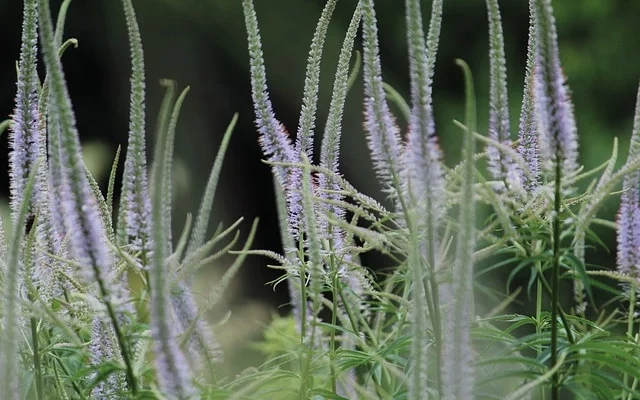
(305,359)
(634,385)
(305,367)
(334,315)
(417,324)
(379,315)
(630,323)
(36,357)
(303,297)
(632,310)
(429,283)
(565,323)
(352,318)
(131,379)
(561,313)
(539,315)
(435,300)
(555,278)
(77,389)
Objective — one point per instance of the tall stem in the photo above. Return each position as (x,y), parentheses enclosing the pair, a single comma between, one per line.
(435,296)
(632,310)
(36,357)
(303,295)
(124,349)
(630,323)
(555,278)
(334,316)
(437,325)
(539,313)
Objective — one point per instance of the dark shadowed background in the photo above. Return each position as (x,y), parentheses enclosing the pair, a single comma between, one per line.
(202,43)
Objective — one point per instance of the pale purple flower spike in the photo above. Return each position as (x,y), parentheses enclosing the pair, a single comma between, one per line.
(629,226)
(136,202)
(423,169)
(28,144)
(273,137)
(383,135)
(629,214)
(24,140)
(84,226)
(556,120)
(172,375)
(500,165)
(423,181)
(202,345)
(101,350)
(25,136)
(528,131)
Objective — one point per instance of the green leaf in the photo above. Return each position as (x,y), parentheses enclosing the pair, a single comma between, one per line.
(4,125)
(578,267)
(224,282)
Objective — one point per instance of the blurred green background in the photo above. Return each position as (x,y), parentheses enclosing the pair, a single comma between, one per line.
(202,43)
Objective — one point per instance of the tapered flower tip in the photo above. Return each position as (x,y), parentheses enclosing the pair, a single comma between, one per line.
(558,140)
(628,256)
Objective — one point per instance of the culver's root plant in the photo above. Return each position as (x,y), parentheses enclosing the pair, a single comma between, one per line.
(72,324)
(98,299)
(414,332)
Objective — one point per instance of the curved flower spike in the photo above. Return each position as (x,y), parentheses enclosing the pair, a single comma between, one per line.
(629,214)
(501,166)
(383,135)
(25,135)
(558,140)
(134,219)
(527,130)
